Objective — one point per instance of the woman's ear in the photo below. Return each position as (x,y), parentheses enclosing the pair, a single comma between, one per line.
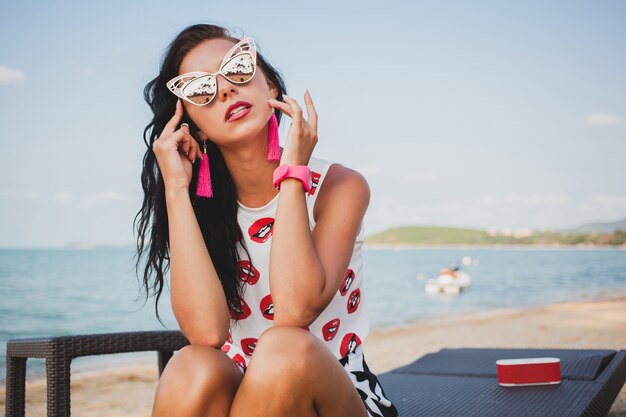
(272,89)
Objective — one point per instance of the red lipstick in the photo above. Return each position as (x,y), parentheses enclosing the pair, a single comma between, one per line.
(238,115)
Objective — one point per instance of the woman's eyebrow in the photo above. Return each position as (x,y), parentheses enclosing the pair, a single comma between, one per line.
(189,74)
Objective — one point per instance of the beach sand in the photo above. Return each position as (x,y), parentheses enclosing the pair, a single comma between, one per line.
(593,324)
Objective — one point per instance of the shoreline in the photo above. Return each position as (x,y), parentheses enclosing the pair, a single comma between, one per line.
(594,322)
(492,313)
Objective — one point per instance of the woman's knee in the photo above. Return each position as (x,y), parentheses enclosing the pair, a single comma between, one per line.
(204,366)
(284,349)
(197,374)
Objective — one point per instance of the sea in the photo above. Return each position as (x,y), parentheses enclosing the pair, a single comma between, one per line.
(58,292)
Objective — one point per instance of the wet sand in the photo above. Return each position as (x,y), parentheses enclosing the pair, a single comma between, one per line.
(593,324)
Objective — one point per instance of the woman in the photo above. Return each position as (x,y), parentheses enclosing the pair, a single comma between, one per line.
(224,215)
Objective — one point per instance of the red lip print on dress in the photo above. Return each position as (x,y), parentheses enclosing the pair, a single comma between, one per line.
(267,307)
(330,329)
(349,343)
(248,273)
(261,230)
(239,313)
(248,344)
(239,359)
(230,338)
(354,300)
(347,281)
(315,179)
(225,348)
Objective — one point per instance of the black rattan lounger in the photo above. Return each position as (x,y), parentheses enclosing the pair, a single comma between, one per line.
(463,382)
(450,383)
(59,352)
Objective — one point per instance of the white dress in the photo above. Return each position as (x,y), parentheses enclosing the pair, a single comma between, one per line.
(343,325)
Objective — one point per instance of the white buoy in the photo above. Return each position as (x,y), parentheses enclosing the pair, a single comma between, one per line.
(467,260)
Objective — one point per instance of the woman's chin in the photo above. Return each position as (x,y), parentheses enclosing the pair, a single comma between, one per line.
(241,136)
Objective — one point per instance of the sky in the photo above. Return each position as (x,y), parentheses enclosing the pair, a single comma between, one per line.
(480,114)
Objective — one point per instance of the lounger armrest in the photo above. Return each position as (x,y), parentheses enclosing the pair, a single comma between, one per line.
(95,344)
(610,383)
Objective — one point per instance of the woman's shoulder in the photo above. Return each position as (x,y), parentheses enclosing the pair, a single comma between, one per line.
(342,183)
(336,172)
(339,175)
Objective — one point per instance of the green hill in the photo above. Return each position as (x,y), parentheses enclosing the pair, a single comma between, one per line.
(418,235)
(430,235)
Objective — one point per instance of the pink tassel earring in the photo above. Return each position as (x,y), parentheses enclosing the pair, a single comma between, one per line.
(273,150)
(204,187)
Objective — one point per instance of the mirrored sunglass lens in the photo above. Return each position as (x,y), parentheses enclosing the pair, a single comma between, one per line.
(240,68)
(201,90)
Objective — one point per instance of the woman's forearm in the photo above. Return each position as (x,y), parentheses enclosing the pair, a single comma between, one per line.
(197,296)
(296,273)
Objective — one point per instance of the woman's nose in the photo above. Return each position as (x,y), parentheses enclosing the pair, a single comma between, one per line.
(224,87)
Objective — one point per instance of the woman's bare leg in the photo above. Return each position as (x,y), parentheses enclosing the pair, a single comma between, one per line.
(292,373)
(198,381)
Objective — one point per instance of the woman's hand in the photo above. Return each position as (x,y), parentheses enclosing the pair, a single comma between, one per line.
(302,134)
(176,150)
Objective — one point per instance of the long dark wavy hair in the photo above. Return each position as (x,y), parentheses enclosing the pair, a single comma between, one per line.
(217,216)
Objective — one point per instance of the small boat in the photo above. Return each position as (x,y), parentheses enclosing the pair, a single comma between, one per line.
(450,281)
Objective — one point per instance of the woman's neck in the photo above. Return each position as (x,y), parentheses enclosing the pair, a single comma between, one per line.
(252,172)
